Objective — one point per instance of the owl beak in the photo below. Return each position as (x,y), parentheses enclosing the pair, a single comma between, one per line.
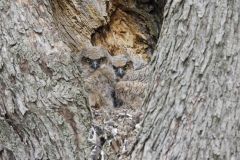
(95,64)
(120,72)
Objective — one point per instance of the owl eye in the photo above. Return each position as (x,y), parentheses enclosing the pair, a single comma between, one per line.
(128,65)
(114,67)
(85,59)
(102,59)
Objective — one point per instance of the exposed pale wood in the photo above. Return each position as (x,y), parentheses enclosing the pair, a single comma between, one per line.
(192,105)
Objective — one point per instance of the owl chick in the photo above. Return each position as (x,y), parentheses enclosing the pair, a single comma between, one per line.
(131,93)
(132,83)
(92,58)
(98,75)
(100,86)
(141,75)
(122,65)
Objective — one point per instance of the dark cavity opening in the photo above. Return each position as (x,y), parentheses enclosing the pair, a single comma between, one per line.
(133,26)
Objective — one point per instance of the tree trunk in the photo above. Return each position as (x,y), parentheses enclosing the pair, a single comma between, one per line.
(192,106)
(193,102)
(43,111)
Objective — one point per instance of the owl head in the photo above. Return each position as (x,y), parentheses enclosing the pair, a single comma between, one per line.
(121,65)
(93,57)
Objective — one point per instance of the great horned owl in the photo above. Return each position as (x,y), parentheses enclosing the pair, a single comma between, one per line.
(92,58)
(98,75)
(100,86)
(131,93)
(132,82)
(122,65)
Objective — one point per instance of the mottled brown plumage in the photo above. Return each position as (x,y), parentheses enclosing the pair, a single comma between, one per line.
(132,83)
(99,85)
(122,65)
(92,58)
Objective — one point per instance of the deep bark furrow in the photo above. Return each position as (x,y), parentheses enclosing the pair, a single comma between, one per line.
(192,105)
(200,64)
(45,106)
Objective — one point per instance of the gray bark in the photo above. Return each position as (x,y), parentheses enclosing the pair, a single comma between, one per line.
(43,110)
(77,20)
(192,107)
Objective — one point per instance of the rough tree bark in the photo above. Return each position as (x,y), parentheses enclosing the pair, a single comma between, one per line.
(193,101)
(43,111)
